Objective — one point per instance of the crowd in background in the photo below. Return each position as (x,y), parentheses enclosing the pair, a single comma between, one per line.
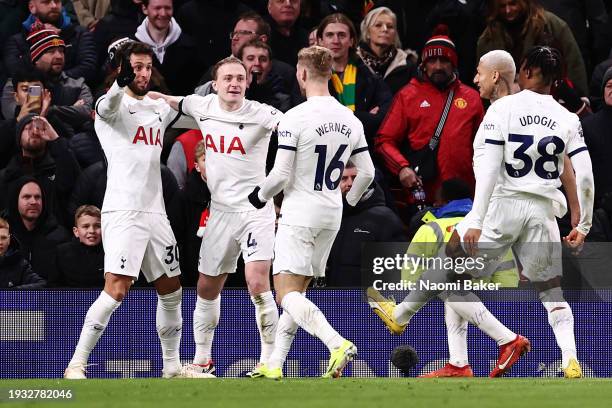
(55,64)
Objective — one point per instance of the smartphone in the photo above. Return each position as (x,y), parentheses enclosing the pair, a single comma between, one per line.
(35,94)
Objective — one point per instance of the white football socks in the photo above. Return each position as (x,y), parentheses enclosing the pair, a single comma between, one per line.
(96,319)
(561,319)
(456,332)
(169,323)
(471,308)
(285,333)
(205,320)
(308,316)
(266,315)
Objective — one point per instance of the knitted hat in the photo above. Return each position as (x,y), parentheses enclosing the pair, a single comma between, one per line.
(41,40)
(440,45)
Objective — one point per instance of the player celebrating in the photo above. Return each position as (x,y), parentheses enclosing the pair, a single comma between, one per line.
(517,199)
(316,139)
(237,137)
(136,232)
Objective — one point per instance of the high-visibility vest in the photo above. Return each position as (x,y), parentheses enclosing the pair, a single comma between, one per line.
(437,231)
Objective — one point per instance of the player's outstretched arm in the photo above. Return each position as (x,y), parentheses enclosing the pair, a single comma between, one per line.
(365,175)
(173,101)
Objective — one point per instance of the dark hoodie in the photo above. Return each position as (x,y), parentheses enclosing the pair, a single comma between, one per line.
(598,139)
(184,212)
(39,245)
(56,170)
(369,221)
(16,271)
(78,266)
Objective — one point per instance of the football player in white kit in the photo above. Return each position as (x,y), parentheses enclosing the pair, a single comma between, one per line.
(315,140)
(517,199)
(237,134)
(136,231)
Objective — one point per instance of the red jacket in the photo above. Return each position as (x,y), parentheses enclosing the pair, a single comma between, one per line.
(414,115)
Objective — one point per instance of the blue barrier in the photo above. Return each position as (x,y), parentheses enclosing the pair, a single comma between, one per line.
(39,330)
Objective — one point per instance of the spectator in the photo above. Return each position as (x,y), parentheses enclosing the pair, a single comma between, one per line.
(15,270)
(381,50)
(175,51)
(79,263)
(404,138)
(517,25)
(264,86)
(597,138)
(36,229)
(287,37)
(369,221)
(89,12)
(352,82)
(596,80)
(207,21)
(48,14)
(45,156)
(188,213)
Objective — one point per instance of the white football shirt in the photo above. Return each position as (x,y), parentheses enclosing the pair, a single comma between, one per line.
(236,147)
(324,134)
(536,132)
(131,132)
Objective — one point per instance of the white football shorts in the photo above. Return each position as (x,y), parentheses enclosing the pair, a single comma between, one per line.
(526,224)
(135,241)
(302,250)
(227,234)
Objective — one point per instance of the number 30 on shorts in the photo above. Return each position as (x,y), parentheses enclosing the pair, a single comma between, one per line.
(172,254)
(526,141)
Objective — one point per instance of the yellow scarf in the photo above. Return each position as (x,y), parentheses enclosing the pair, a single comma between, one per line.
(345,88)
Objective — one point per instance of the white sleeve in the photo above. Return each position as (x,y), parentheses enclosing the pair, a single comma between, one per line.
(360,156)
(581,161)
(188,105)
(109,103)
(489,163)
(269,116)
(277,179)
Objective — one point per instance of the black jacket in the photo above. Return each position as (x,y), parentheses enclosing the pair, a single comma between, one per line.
(16,272)
(369,221)
(286,48)
(78,266)
(370,91)
(598,139)
(39,245)
(80,53)
(184,213)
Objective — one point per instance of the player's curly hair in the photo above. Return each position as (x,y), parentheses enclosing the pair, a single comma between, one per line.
(548,60)
(317,60)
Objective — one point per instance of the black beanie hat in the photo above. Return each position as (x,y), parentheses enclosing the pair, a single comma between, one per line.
(22,124)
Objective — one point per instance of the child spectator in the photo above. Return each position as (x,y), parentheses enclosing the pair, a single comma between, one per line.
(15,270)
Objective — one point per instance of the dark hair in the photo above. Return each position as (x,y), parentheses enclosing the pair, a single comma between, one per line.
(263,28)
(337,18)
(256,44)
(454,189)
(548,59)
(534,23)
(26,74)
(228,60)
(136,47)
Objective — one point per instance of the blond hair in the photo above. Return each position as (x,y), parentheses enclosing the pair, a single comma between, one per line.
(90,210)
(317,61)
(370,19)
(200,150)
(225,61)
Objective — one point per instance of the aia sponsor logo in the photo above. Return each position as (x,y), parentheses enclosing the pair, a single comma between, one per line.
(150,137)
(222,144)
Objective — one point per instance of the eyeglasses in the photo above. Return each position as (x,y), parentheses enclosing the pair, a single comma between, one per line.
(241,33)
